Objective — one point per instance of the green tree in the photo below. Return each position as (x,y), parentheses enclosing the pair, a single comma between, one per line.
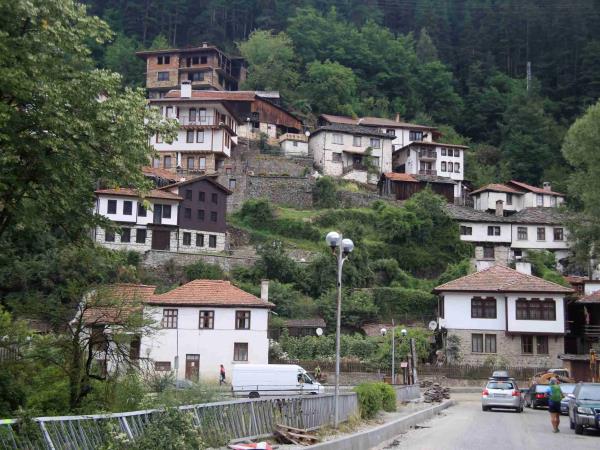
(325,193)
(425,48)
(330,87)
(120,57)
(270,59)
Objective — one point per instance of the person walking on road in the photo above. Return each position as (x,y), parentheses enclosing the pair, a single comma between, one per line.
(222,375)
(554,404)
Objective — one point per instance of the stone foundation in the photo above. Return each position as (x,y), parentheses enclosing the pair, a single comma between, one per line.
(508,348)
(193,248)
(100,238)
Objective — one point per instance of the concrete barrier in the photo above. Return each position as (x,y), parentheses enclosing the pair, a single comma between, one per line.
(375,436)
(407,393)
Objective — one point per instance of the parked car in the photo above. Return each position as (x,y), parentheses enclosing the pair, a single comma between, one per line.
(256,380)
(501,393)
(566,388)
(537,396)
(584,407)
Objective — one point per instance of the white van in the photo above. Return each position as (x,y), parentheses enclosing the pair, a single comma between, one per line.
(256,380)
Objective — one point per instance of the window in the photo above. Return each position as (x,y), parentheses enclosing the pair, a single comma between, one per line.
(162,366)
(196,76)
(203,60)
(509,199)
(166,211)
(375,160)
(169,319)
(187,213)
(163,76)
(536,309)
(450,167)
(493,231)
(167,162)
(483,308)
(522,233)
(477,343)
(552,201)
(200,136)
(542,345)
(127,207)
(163,60)
(201,196)
(188,194)
(156,161)
(232,184)
(527,345)
(444,151)
(140,236)
(443,166)
(240,351)
(212,241)
(213,216)
(141,210)
(159,140)
(541,233)
(202,115)
(199,240)
(415,135)
(207,319)
(391,132)
(242,320)
(539,198)
(189,136)
(456,167)
(336,157)
(202,163)
(338,138)
(489,252)
(111,207)
(192,114)
(125,234)
(214,198)
(441,307)
(466,231)
(375,143)
(109,236)
(187,238)
(356,141)
(228,171)
(195,59)
(200,214)
(559,234)
(490,343)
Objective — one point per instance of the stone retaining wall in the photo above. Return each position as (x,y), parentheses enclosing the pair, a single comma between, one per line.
(284,191)
(157,259)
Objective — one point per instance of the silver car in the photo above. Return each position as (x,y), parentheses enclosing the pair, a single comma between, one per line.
(501,394)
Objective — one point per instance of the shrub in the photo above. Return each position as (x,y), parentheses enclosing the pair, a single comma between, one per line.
(257,213)
(369,399)
(388,397)
(325,193)
(203,271)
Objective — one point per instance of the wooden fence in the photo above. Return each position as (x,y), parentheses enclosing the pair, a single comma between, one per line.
(234,420)
(477,372)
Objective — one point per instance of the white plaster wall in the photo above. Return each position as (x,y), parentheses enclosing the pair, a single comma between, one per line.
(288,148)
(459,176)
(214,346)
(457,312)
(480,231)
(536,326)
(548,200)
(102,208)
(533,243)
(316,148)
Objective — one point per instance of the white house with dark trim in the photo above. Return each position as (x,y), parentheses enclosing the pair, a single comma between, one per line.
(515,196)
(501,313)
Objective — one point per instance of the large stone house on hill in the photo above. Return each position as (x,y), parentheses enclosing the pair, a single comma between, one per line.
(501,313)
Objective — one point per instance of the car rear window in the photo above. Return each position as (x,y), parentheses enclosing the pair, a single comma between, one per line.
(500,385)
(589,393)
(542,388)
(567,388)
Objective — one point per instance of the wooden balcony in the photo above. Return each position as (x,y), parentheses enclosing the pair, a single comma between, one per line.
(293,137)
(354,167)
(428,154)
(427,172)
(204,121)
(591,330)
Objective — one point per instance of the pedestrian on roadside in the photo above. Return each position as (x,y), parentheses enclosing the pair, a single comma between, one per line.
(318,373)
(555,396)
(222,375)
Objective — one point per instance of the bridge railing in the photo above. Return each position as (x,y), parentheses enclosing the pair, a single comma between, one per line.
(235,419)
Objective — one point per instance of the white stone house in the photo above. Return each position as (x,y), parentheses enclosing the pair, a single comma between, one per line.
(515,196)
(206,323)
(340,150)
(501,314)
(294,144)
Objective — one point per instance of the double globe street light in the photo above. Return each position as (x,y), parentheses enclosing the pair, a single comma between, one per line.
(341,248)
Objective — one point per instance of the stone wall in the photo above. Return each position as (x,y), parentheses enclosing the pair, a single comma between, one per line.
(283,191)
(509,348)
(156,259)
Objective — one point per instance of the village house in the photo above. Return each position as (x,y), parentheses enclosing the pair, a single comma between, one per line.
(351,152)
(186,217)
(502,314)
(294,144)
(402,186)
(515,196)
(206,323)
(205,67)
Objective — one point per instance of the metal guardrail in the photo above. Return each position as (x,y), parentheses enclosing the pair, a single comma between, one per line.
(236,419)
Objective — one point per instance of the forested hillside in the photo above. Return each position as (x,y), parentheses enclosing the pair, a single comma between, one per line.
(460,63)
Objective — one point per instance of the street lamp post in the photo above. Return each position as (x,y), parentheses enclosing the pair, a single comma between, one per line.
(341,248)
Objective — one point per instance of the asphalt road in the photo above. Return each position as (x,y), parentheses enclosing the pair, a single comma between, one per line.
(465,426)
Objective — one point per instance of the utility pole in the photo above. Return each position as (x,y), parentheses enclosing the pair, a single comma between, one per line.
(528,75)
(393,352)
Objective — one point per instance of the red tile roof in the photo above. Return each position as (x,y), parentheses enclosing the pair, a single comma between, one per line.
(400,177)
(161,173)
(575,279)
(373,121)
(208,178)
(116,303)
(339,119)
(216,293)
(594,297)
(435,144)
(502,279)
(128,192)
(496,187)
(535,189)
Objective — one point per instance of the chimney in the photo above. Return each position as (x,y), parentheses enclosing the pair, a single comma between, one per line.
(264,290)
(499,208)
(397,117)
(547,186)
(523,267)
(204,44)
(186,89)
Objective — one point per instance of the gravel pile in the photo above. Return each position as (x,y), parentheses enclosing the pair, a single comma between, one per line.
(435,392)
